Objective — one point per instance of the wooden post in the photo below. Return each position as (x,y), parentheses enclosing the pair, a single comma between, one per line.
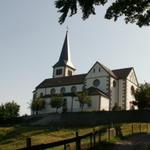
(65,147)
(108,133)
(94,137)
(77,141)
(28,142)
(132,129)
(140,126)
(99,136)
(91,145)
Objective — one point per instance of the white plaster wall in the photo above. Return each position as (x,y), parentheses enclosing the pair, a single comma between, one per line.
(121,88)
(104,103)
(130,97)
(94,71)
(114,92)
(68,88)
(103,83)
(132,77)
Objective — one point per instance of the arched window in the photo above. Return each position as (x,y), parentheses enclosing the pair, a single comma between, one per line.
(53,91)
(73,89)
(114,83)
(62,90)
(96,83)
(132,90)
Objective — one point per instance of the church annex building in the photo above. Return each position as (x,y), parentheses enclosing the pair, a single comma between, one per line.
(105,87)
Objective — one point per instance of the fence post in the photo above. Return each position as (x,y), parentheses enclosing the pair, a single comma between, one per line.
(77,141)
(28,142)
(99,136)
(94,137)
(132,129)
(91,145)
(65,147)
(108,133)
(140,126)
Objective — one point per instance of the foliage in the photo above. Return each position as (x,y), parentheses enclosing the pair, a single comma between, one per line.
(134,11)
(37,104)
(83,99)
(116,107)
(142,96)
(9,110)
(56,102)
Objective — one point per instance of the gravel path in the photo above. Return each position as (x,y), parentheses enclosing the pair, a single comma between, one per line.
(138,142)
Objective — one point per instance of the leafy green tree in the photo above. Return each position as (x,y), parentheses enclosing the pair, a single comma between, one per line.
(9,110)
(116,107)
(133,11)
(56,102)
(142,96)
(83,99)
(37,105)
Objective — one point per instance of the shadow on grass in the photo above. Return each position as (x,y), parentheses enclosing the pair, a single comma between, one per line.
(103,146)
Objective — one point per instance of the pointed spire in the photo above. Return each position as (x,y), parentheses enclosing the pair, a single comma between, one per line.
(65,57)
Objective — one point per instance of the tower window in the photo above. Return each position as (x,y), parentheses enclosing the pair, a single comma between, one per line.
(58,71)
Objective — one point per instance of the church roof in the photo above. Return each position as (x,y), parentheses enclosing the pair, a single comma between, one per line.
(96,91)
(65,57)
(62,81)
(122,73)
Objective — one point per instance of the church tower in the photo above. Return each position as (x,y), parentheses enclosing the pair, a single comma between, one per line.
(64,66)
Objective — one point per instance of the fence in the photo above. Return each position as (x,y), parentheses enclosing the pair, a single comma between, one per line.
(92,138)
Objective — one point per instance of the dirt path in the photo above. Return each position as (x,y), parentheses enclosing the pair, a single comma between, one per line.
(138,142)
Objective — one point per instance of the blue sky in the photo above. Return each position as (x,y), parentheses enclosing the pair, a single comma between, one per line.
(31,40)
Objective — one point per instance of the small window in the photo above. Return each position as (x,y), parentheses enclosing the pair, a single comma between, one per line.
(62,90)
(132,90)
(94,70)
(96,83)
(114,83)
(73,89)
(69,73)
(53,91)
(59,72)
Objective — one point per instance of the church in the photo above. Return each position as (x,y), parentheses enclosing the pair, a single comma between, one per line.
(105,87)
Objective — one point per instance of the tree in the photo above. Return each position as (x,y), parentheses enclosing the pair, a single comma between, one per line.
(116,107)
(134,11)
(37,104)
(56,102)
(83,99)
(142,96)
(9,110)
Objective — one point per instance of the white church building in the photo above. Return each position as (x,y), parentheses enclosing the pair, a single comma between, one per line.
(105,87)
